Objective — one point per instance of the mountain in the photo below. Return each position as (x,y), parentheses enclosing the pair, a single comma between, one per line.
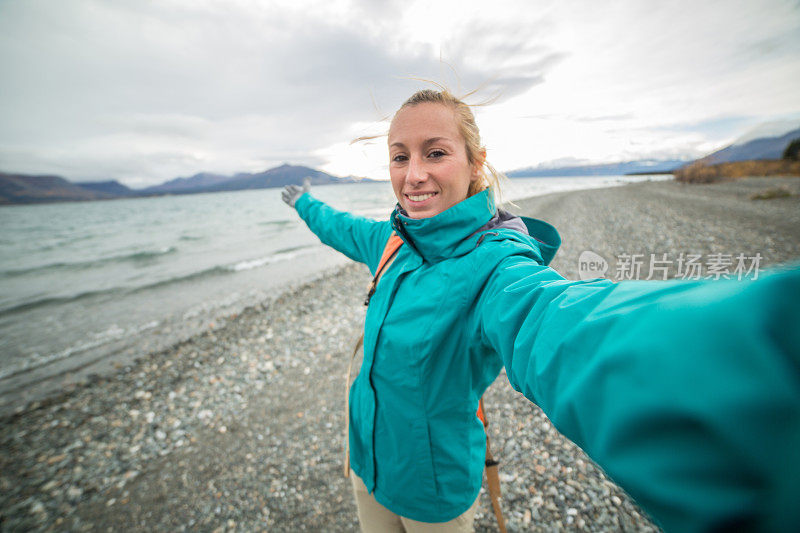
(186,185)
(764,130)
(745,149)
(275,177)
(113,187)
(26,189)
(643,166)
(761,148)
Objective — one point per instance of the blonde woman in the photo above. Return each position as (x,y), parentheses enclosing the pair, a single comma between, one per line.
(686,393)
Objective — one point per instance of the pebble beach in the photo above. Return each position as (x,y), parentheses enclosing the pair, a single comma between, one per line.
(241,428)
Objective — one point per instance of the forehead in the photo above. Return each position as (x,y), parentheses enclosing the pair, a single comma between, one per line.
(423,121)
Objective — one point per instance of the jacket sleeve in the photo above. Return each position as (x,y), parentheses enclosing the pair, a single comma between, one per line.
(361,239)
(687,393)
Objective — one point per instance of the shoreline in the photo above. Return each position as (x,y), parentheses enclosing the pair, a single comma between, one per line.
(21,388)
(241,427)
(115,341)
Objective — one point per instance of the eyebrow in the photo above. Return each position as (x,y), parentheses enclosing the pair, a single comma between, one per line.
(427,142)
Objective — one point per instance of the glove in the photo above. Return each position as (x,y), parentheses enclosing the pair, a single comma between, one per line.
(291,193)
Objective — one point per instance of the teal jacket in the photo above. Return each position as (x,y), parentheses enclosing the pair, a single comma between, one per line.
(686,393)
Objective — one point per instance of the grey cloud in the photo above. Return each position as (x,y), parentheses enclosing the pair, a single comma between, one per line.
(121,77)
(606,118)
(169,125)
(379,10)
(515,54)
(584,118)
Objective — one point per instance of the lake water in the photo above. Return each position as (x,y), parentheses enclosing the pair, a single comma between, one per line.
(85,285)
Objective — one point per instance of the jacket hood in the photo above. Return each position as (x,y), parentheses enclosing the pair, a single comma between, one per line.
(504,219)
(455,231)
(546,236)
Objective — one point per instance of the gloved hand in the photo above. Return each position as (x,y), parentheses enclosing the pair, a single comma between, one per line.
(291,193)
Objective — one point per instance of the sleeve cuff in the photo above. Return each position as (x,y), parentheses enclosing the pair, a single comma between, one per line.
(301,202)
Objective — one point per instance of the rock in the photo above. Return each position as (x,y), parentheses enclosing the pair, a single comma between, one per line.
(74,493)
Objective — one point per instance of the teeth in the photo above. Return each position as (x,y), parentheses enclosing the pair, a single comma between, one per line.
(421,197)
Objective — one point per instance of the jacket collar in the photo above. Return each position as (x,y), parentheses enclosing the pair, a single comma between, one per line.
(446,234)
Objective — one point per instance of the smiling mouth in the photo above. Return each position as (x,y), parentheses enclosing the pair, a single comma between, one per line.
(420,197)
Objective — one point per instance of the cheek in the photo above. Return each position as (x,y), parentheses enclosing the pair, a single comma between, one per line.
(459,182)
(397,183)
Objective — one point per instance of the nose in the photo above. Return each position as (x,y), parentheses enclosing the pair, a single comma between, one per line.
(415,172)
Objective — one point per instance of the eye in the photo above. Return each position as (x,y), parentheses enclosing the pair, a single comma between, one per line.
(399,158)
(436,154)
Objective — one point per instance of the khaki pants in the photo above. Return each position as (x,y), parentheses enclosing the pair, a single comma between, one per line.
(375,518)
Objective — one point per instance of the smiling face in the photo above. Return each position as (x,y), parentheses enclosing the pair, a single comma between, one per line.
(428,160)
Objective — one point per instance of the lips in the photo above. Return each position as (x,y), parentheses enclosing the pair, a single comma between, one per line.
(420,197)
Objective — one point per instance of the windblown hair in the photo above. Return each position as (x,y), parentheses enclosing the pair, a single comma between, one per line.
(490,178)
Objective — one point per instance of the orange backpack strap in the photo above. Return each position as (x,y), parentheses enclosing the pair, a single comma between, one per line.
(389,251)
(492,475)
(392,245)
(480,414)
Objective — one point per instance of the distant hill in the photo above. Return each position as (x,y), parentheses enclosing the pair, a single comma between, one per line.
(113,188)
(276,177)
(654,166)
(26,189)
(749,156)
(762,148)
(703,173)
(187,185)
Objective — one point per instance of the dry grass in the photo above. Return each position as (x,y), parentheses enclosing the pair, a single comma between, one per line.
(772,192)
(701,173)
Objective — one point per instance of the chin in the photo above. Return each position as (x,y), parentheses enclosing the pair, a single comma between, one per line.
(423,213)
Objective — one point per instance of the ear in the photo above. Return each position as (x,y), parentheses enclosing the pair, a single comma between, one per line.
(476,168)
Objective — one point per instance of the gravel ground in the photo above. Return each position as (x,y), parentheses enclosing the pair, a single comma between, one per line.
(668,217)
(241,428)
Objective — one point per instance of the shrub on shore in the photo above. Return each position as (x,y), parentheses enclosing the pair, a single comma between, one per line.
(772,192)
(792,151)
(701,173)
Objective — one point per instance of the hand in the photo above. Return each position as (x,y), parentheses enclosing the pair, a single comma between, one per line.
(291,193)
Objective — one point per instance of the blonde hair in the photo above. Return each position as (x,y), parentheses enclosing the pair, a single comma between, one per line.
(489,177)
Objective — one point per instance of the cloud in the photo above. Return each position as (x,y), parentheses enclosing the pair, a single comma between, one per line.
(225,80)
(657,67)
(145,91)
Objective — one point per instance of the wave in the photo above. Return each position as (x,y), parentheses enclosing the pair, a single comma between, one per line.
(285,254)
(84,265)
(55,300)
(113,333)
(61,242)
(279,223)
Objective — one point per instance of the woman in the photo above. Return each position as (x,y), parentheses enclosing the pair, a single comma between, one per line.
(644,376)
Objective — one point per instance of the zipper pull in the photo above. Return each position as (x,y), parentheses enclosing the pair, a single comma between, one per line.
(370,291)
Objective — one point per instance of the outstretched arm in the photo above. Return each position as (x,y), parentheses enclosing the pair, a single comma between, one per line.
(359,238)
(686,393)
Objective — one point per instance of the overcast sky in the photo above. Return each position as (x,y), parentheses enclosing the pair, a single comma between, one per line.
(143,91)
